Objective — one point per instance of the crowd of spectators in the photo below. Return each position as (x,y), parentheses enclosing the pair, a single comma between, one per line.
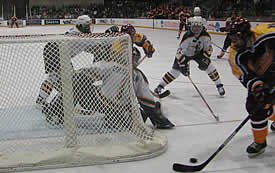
(212,10)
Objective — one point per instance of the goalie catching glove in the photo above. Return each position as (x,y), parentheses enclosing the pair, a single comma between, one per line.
(148,48)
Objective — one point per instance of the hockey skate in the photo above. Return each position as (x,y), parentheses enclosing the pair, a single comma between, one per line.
(39,103)
(221,55)
(159,93)
(161,122)
(255,149)
(221,89)
(272,126)
(159,89)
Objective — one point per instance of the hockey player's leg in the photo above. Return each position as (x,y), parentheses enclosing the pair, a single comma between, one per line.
(54,111)
(167,79)
(214,76)
(156,117)
(48,90)
(259,124)
(206,65)
(272,126)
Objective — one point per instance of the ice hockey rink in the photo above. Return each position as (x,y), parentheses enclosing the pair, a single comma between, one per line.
(197,134)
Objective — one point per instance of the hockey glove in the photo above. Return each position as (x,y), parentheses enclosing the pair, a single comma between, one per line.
(184,69)
(148,48)
(258,92)
(183,63)
(112,29)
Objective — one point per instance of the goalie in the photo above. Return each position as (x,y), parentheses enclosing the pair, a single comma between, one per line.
(149,107)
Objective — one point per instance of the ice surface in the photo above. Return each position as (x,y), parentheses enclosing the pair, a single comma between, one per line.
(196,134)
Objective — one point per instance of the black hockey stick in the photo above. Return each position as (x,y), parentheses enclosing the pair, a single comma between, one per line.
(216,117)
(187,168)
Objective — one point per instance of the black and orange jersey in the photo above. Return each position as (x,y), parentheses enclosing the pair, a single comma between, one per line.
(257,63)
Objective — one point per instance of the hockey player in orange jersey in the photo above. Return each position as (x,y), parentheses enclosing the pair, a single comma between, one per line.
(227,41)
(183,18)
(252,59)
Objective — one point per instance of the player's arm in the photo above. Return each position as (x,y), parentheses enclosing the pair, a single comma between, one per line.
(141,40)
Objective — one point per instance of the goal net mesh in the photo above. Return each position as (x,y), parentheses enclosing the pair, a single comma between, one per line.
(69,100)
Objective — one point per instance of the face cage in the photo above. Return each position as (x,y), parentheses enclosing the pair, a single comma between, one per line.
(196,29)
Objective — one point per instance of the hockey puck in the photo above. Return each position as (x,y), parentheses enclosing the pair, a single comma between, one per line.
(193,160)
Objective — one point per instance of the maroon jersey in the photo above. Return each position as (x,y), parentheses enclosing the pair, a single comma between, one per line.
(14,19)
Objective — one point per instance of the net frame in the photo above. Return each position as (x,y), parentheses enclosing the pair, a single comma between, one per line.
(147,144)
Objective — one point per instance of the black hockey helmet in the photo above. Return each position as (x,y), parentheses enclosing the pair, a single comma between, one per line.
(239,31)
(238,26)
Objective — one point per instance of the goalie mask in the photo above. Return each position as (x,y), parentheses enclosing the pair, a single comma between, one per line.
(129,29)
(83,23)
(196,25)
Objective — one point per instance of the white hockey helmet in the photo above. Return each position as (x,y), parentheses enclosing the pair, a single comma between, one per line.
(197,11)
(84,20)
(197,24)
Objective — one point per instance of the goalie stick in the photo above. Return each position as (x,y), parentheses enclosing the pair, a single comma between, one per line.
(187,168)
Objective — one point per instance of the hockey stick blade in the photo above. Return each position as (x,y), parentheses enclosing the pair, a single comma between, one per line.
(162,95)
(185,168)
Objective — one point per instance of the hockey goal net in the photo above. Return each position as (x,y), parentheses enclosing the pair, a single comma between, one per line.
(69,100)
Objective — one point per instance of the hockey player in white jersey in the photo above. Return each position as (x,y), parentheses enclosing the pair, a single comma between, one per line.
(195,45)
(83,25)
(197,14)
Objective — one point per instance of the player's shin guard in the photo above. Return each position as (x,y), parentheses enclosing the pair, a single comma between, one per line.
(215,77)
(158,120)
